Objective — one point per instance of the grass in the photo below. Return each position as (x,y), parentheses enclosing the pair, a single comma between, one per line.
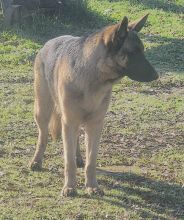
(140,163)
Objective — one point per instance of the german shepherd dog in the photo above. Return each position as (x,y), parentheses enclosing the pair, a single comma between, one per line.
(73,85)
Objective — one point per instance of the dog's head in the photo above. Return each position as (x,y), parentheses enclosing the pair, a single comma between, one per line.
(125,51)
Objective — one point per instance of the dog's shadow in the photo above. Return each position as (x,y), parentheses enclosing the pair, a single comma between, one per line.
(156,198)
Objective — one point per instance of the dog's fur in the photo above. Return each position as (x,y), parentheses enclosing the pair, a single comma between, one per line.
(73,84)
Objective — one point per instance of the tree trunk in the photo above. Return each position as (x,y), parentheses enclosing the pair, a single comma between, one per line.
(15,10)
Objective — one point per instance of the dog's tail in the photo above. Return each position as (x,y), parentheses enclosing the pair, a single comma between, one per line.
(55,125)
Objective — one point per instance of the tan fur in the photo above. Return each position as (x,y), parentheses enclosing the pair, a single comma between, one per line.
(55,125)
(73,85)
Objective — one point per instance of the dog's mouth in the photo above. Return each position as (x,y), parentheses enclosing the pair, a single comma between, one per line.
(143,77)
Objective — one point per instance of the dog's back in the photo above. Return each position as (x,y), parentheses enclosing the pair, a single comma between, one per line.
(53,52)
(56,49)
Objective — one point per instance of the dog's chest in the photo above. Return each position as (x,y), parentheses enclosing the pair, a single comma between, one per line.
(93,101)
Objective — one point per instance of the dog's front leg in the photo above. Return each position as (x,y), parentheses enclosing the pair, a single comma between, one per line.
(69,134)
(93,133)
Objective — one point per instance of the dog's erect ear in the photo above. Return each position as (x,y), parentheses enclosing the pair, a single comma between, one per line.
(121,30)
(138,25)
(120,34)
(114,35)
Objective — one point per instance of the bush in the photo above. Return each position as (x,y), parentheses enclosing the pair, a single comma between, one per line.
(75,9)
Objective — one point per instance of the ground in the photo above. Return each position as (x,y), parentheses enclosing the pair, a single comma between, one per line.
(141,156)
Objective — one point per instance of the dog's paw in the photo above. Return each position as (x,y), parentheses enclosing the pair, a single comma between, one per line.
(35,166)
(95,191)
(79,162)
(69,192)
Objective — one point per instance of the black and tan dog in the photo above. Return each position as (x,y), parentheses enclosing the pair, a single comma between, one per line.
(73,84)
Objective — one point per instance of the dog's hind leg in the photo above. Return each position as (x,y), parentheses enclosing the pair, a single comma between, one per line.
(55,130)
(79,160)
(43,107)
(55,125)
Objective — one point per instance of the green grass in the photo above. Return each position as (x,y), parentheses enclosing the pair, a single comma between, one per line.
(141,157)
